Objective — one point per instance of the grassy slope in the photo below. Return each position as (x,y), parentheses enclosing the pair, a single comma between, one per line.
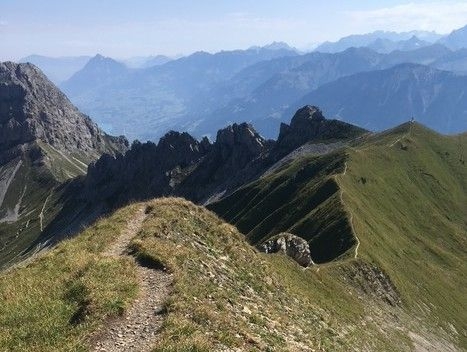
(225,294)
(301,197)
(406,191)
(52,302)
(35,189)
(409,202)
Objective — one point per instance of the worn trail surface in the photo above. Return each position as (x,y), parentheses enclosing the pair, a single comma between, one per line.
(137,329)
(348,210)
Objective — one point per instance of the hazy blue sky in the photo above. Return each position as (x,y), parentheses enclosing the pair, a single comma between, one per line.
(120,28)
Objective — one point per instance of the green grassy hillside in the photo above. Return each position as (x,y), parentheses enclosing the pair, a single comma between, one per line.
(398,202)
(301,197)
(407,192)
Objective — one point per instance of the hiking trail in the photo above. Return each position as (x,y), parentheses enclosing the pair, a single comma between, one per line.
(137,329)
(350,213)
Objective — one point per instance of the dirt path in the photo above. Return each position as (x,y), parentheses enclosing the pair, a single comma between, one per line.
(406,135)
(350,213)
(41,214)
(137,329)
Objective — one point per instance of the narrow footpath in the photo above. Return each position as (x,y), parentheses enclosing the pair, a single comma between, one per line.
(137,329)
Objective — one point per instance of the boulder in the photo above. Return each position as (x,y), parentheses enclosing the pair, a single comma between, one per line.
(293,246)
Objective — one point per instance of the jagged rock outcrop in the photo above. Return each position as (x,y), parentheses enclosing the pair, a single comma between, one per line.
(238,154)
(32,108)
(146,170)
(178,164)
(234,148)
(293,246)
(309,124)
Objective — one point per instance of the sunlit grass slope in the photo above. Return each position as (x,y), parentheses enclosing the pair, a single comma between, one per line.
(407,191)
(53,302)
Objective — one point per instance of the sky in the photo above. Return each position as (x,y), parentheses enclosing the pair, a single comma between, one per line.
(123,29)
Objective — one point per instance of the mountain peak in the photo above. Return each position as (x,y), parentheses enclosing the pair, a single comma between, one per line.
(242,134)
(307,113)
(99,70)
(32,108)
(309,125)
(278,46)
(99,60)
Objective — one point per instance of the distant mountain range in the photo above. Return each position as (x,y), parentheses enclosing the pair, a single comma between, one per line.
(382,41)
(159,97)
(202,92)
(378,99)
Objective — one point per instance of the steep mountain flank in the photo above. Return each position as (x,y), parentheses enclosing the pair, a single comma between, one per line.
(44,140)
(301,198)
(370,201)
(33,109)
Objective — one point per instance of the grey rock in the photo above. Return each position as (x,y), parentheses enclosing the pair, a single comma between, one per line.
(308,124)
(293,246)
(32,108)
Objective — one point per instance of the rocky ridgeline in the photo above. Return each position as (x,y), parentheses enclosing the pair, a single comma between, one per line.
(200,170)
(178,164)
(309,124)
(32,109)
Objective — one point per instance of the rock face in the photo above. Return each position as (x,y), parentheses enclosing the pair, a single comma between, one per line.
(309,124)
(146,170)
(234,157)
(293,246)
(373,281)
(32,108)
(178,164)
